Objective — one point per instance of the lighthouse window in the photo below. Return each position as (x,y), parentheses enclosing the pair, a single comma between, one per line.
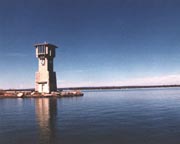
(41,49)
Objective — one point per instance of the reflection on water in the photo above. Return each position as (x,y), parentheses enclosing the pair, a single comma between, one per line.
(135,116)
(46,111)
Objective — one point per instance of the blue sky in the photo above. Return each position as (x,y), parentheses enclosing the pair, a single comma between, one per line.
(101,42)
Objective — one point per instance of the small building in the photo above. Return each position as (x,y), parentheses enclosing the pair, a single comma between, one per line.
(45,79)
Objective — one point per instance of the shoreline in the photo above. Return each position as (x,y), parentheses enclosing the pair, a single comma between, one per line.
(99,87)
(119,87)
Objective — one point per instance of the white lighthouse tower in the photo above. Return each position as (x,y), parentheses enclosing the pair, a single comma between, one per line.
(45,81)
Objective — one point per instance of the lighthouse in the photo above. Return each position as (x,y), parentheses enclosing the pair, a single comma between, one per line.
(45,79)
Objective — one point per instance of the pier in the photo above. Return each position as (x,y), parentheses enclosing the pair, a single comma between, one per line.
(33,94)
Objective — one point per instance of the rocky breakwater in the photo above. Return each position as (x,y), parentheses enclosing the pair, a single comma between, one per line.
(33,94)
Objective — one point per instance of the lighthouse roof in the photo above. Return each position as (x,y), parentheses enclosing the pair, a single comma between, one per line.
(45,44)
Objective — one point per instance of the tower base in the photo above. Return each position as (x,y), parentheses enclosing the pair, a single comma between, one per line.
(45,82)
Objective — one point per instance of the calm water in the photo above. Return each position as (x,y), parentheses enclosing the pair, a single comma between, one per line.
(136,116)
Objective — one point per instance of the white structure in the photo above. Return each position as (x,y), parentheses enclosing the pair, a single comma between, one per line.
(45,81)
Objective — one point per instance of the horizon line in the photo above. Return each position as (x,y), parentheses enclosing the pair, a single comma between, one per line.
(105,87)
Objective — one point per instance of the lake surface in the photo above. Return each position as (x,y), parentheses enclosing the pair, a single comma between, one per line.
(134,116)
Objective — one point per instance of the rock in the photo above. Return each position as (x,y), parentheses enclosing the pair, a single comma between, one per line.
(71,93)
(32,93)
(20,94)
